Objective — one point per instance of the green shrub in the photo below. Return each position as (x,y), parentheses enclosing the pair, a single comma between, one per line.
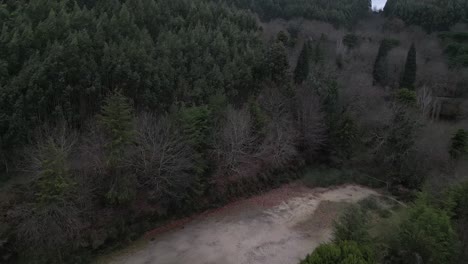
(352,226)
(428,235)
(346,252)
(117,122)
(406,97)
(326,177)
(351,41)
(370,204)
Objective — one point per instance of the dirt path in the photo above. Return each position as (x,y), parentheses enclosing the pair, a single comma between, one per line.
(281,226)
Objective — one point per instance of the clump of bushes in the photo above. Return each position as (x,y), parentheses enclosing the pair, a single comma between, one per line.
(406,97)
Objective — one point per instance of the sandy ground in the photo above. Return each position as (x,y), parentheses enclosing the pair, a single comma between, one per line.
(281,227)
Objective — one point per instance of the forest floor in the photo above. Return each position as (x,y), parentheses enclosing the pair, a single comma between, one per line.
(280,226)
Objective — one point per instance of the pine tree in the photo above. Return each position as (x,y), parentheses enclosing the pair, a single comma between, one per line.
(117,121)
(196,125)
(409,75)
(380,66)
(282,37)
(459,144)
(302,68)
(55,182)
(277,63)
(380,70)
(318,56)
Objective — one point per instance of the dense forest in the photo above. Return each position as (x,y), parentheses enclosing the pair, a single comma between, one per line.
(339,12)
(432,15)
(119,115)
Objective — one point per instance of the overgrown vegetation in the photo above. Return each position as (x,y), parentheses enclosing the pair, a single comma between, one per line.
(456,48)
(119,115)
(340,12)
(432,15)
(420,233)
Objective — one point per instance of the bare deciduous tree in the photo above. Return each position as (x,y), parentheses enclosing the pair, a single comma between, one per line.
(234,143)
(310,120)
(279,146)
(425,100)
(92,153)
(47,232)
(49,225)
(164,159)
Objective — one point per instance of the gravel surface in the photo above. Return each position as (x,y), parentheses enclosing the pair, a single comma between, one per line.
(279,227)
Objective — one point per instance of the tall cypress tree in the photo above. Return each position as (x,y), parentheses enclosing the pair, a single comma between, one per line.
(380,70)
(302,68)
(277,63)
(459,144)
(380,67)
(409,75)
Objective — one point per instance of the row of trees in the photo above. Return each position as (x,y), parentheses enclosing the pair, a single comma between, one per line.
(431,230)
(339,12)
(99,184)
(59,59)
(152,109)
(432,15)
(381,68)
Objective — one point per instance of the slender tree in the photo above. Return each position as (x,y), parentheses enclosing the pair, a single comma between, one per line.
(380,70)
(381,66)
(277,63)
(303,63)
(459,144)
(409,75)
(117,122)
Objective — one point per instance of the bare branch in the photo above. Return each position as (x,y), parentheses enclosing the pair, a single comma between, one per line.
(164,160)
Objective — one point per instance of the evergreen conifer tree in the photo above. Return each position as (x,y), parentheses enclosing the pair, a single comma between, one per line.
(303,64)
(117,121)
(277,63)
(459,145)
(409,75)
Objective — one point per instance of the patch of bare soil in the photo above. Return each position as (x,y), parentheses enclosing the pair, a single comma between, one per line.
(281,226)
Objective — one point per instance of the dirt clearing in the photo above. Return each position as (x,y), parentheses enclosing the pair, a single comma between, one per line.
(281,226)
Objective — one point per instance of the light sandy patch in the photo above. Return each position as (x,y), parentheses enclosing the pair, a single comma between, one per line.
(250,233)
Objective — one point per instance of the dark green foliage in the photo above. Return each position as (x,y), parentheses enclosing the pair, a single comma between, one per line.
(283,38)
(352,226)
(432,15)
(276,64)
(196,126)
(117,122)
(318,56)
(259,119)
(409,74)
(338,12)
(327,177)
(428,235)
(459,145)
(397,153)
(48,226)
(55,178)
(303,64)
(380,66)
(456,203)
(456,48)
(346,252)
(60,58)
(351,41)
(343,136)
(406,97)
(293,30)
